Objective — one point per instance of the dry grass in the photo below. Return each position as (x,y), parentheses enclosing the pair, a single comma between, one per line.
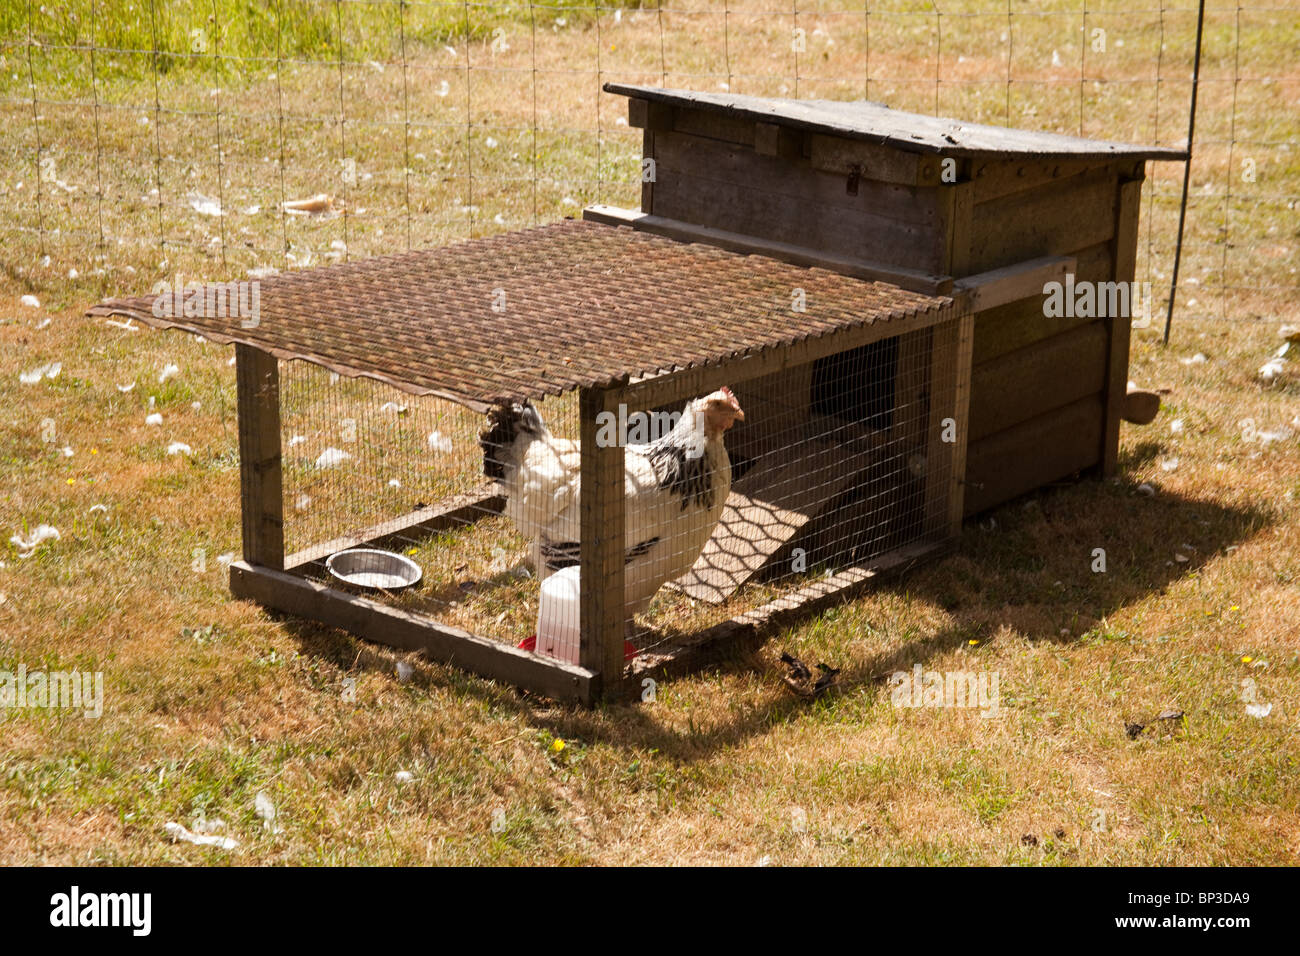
(209,701)
(724,766)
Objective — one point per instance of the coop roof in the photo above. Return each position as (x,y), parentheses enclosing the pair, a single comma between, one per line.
(543,311)
(911,132)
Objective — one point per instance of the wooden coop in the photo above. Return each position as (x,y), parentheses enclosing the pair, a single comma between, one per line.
(939,207)
(363,391)
(868,284)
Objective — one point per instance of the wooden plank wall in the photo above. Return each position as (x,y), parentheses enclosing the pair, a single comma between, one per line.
(1033,453)
(1037,379)
(784,197)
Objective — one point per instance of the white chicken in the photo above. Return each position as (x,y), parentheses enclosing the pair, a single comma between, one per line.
(674,490)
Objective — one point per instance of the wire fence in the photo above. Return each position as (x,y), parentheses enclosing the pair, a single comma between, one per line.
(219,138)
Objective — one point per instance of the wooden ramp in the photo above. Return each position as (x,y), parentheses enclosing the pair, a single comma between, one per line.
(789,487)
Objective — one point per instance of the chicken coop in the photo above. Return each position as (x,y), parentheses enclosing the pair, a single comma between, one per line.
(367,394)
(568,456)
(940,207)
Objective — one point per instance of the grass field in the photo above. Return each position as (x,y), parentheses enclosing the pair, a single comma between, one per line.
(210,702)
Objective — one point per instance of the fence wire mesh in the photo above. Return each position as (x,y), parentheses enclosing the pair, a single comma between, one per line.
(215,138)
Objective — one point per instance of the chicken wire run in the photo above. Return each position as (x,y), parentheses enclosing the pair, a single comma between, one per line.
(780,434)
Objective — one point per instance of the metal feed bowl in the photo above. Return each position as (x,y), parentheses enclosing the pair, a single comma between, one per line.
(371,569)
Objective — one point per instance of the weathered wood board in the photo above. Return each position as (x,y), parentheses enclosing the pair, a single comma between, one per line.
(677,154)
(1021,323)
(1033,453)
(1032,380)
(261,482)
(734,188)
(876,123)
(912,279)
(1054,219)
(602,606)
(1120,327)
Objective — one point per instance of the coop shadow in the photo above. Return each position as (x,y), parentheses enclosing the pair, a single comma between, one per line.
(1030,566)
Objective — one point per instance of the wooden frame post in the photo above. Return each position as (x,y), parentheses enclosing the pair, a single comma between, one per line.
(951,350)
(958,205)
(945,461)
(261,491)
(603,608)
(1119,327)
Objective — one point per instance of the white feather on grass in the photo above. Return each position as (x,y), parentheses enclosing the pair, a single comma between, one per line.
(182,834)
(48,370)
(331,458)
(27,546)
(204,205)
(265,809)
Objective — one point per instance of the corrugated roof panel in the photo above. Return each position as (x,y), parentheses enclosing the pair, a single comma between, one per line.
(542,311)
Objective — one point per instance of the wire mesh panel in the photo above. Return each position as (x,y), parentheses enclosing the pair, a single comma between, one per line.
(826,466)
(385,494)
(731,499)
(357,453)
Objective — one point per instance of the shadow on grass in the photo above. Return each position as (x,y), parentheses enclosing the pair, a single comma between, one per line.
(1139,455)
(1027,565)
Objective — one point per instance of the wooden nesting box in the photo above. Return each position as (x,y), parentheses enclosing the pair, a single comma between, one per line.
(933,205)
